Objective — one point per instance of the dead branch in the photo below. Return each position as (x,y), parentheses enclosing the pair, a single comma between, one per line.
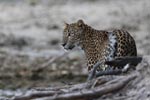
(122,61)
(114,72)
(88,90)
(94,93)
(93,71)
(43,66)
(101,86)
(34,95)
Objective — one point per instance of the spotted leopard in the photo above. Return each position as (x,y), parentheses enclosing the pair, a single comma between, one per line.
(98,45)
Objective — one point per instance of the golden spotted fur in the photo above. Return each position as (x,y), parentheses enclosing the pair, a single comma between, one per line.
(98,45)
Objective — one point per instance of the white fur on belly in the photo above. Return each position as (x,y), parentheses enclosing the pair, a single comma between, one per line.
(112,42)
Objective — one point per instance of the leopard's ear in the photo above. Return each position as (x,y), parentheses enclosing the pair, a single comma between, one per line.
(66,24)
(80,22)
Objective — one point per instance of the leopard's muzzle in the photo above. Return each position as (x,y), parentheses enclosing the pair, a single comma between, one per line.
(68,46)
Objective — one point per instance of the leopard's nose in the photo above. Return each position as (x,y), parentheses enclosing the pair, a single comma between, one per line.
(63,44)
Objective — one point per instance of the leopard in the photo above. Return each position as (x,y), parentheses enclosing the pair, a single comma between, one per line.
(98,45)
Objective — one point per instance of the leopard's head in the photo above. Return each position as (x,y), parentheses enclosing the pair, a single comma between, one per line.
(72,34)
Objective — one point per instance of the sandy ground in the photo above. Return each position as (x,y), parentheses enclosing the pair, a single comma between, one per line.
(31,33)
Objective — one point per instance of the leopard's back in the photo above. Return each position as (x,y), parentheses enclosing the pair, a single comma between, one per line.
(125,44)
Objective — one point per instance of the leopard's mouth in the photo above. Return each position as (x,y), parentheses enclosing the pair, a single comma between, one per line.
(68,47)
(71,47)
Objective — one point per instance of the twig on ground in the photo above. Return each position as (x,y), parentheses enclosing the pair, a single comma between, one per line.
(43,66)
